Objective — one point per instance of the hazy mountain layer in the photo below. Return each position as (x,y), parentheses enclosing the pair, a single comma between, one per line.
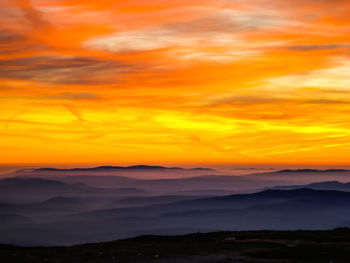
(272,209)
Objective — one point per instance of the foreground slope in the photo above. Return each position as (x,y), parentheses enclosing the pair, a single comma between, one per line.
(223,247)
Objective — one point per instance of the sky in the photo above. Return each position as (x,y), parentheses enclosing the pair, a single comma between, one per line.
(200,81)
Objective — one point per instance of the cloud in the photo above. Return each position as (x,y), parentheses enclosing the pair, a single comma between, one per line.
(9,37)
(134,41)
(8,48)
(75,112)
(63,70)
(34,16)
(213,30)
(11,43)
(230,21)
(76,96)
(335,77)
(266,100)
(240,100)
(317,47)
(334,91)
(326,101)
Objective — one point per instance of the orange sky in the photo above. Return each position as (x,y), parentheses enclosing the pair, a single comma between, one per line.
(200,81)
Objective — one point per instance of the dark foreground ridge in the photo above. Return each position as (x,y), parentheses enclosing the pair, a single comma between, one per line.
(248,246)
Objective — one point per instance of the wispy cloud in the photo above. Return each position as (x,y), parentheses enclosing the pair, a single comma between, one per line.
(217,29)
(34,16)
(62,70)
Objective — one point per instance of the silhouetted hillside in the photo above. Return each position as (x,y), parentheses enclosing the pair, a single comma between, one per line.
(223,247)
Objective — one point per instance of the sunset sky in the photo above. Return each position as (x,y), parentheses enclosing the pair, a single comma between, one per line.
(175,81)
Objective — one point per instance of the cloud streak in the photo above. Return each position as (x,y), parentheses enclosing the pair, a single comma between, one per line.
(34,16)
(62,70)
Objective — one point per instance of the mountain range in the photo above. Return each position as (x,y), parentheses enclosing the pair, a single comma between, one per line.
(137,171)
(50,206)
(271,209)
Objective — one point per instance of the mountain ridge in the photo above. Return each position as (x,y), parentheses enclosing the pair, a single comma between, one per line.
(133,167)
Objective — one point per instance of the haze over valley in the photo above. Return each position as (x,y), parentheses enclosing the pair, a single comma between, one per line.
(49,206)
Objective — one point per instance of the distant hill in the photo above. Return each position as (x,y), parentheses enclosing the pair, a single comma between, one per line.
(301,171)
(198,185)
(135,167)
(73,205)
(232,202)
(37,189)
(302,176)
(136,171)
(212,192)
(328,185)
